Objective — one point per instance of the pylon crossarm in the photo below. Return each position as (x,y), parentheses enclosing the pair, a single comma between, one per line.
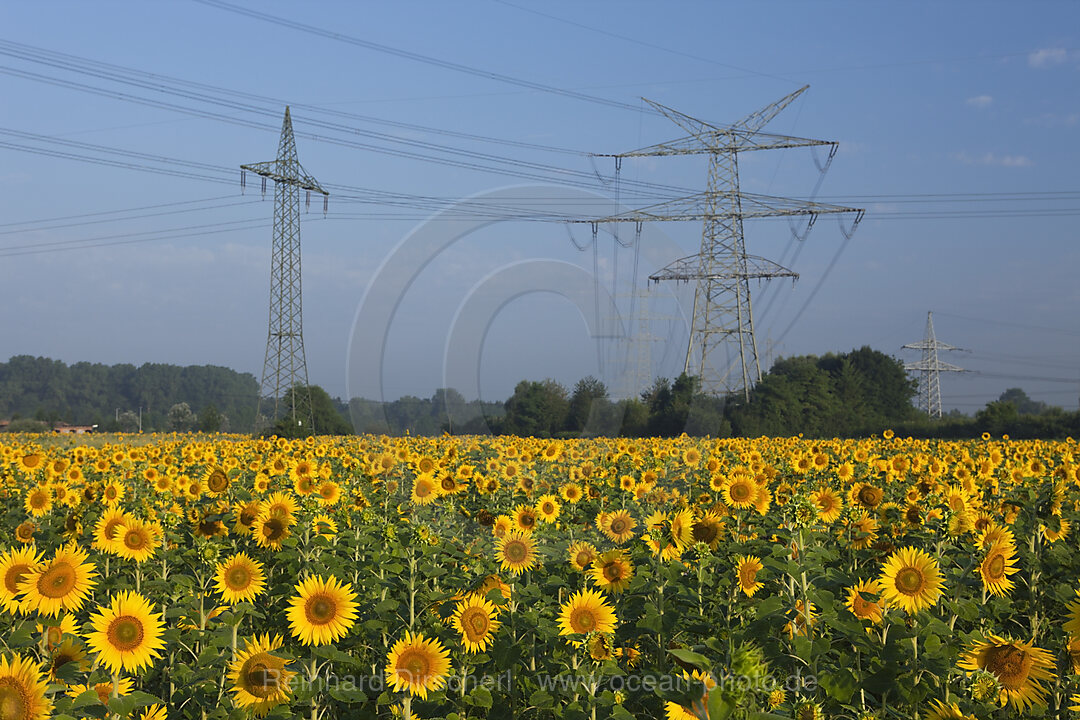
(695,207)
(934,366)
(689,269)
(270,170)
(760,118)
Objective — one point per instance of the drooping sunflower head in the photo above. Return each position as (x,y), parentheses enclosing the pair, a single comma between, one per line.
(860,605)
(746,570)
(996,568)
(260,680)
(417,664)
(1020,668)
(322,612)
(476,623)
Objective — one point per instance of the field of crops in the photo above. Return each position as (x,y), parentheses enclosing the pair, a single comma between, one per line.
(219,576)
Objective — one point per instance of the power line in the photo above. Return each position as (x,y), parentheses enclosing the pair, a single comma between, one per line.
(409,55)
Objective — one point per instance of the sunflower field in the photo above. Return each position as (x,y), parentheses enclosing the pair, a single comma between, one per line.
(200,577)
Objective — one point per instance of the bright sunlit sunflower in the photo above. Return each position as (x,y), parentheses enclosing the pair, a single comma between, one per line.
(61,583)
(14,566)
(136,540)
(271,528)
(828,503)
(417,664)
(612,571)
(240,579)
(584,612)
(126,634)
(106,527)
(746,569)
(425,490)
(474,619)
(911,580)
(516,552)
(322,612)
(39,501)
(22,690)
(996,568)
(1018,666)
(619,526)
(547,508)
(859,606)
(739,491)
(260,680)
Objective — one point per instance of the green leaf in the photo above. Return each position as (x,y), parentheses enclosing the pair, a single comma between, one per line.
(691,658)
(481,697)
(840,685)
(542,699)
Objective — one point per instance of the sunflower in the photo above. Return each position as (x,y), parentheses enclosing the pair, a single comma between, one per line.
(829,504)
(136,540)
(244,515)
(324,526)
(104,690)
(156,711)
(516,552)
(272,527)
(417,664)
(707,529)
(322,612)
(260,680)
(571,492)
(739,491)
(584,612)
(525,518)
(69,652)
(59,584)
(859,606)
(24,533)
(866,495)
(216,480)
(22,690)
(14,565)
(1072,625)
(328,493)
(864,530)
(581,554)
(612,571)
(619,526)
(474,618)
(106,527)
(996,568)
(1018,666)
(113,493)
(240,579)
(548,507)
(682,528)
(910,579)
(425,490)
(126,634)
(946,711)
(746,569)
(39,501)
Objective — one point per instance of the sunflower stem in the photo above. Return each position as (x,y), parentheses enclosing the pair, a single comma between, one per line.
(313,672)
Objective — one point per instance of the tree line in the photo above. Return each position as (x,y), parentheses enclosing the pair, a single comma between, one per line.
(853,394)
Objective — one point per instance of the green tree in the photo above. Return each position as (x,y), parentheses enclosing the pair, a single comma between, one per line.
(210,419)
(327,419)
(536,409)
(589,397)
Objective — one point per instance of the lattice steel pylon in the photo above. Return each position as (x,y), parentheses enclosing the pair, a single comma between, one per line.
(284,383)
(722,319)
(930,368)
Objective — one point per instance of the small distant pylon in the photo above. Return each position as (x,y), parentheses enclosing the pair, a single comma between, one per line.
(930,368)
(285,364)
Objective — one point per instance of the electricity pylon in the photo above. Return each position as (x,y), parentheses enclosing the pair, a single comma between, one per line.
(722,351)
(284,379)
(930,368)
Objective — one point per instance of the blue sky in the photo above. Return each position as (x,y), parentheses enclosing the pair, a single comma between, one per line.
(957,125)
